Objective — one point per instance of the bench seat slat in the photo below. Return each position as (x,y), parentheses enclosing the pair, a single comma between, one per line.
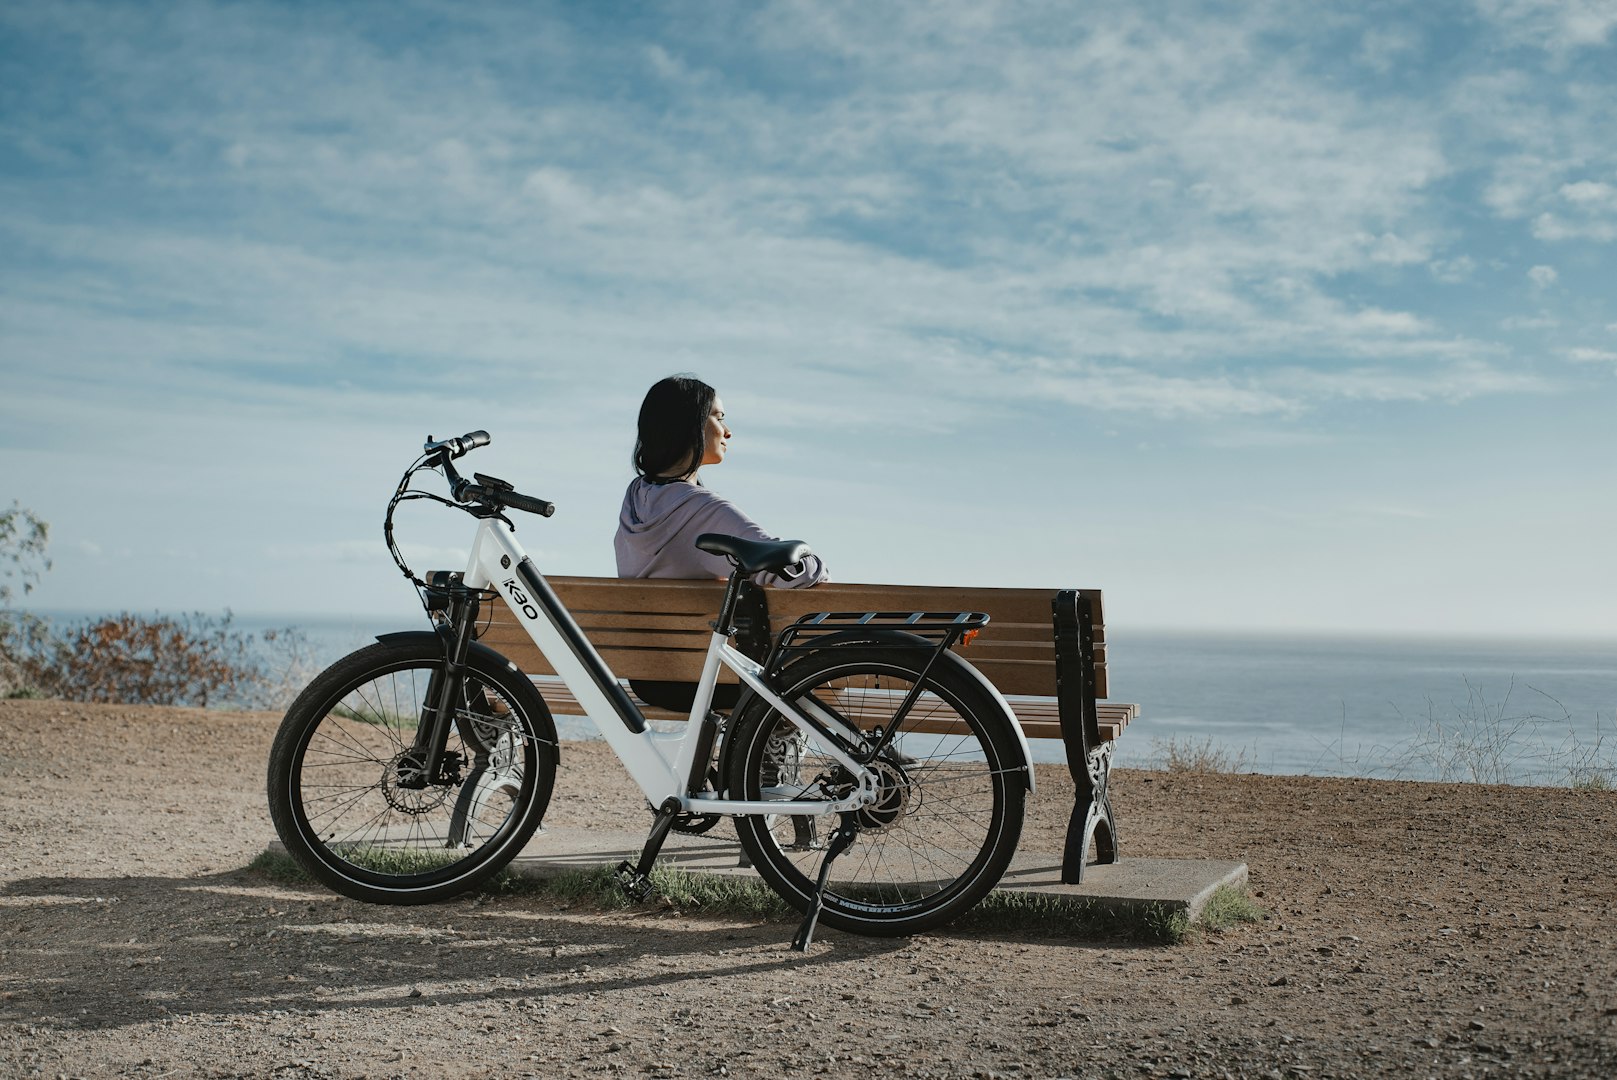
(1037,716)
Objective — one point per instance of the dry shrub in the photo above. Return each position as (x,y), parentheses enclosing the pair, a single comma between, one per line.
(192,659)
(1189,755)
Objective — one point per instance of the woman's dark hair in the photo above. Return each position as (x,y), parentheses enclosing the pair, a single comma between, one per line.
(673,427)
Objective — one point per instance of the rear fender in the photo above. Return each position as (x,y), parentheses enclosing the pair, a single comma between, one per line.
(890,638)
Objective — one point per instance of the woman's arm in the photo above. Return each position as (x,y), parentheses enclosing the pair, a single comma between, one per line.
(719,515)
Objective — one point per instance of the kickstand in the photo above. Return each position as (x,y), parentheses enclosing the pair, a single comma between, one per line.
(635,880)
(840,841)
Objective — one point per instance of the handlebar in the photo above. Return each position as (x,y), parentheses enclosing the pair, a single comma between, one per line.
(488,494)
(491,495)
(487,490)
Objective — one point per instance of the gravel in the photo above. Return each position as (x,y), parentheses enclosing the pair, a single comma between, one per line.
(1410,929)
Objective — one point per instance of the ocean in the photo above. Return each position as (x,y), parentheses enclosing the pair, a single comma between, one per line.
(1416,708)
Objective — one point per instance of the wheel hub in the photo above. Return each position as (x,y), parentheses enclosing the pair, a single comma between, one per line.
(894,792)
(405,786)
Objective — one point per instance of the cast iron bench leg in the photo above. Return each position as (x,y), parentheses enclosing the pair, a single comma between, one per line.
(1088,758)
(1092,820)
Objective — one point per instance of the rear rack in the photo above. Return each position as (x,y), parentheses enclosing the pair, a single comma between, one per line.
(941,628)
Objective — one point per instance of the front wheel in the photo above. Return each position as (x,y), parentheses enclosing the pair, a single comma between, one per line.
(352,803)
(951,791)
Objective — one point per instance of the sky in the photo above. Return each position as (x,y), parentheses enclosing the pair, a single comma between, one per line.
(1254,316)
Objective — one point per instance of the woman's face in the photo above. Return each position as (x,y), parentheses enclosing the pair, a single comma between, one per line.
(716,435)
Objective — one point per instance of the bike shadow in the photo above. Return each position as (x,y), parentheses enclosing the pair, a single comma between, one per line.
(100,952)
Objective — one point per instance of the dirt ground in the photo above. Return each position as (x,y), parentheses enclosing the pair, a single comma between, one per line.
(1412,929)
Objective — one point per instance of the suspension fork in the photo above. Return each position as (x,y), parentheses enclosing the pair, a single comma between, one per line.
(446,690)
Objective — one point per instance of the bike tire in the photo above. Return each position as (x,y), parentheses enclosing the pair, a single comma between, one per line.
(338,789)
(951,803)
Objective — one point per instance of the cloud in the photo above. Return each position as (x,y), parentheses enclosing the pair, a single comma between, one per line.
(1452,271)
(1529,322)
(1460,381)
(1552,227)
(258,252)
(366,552)
(1129,390)
(1542,277)
(1172,209)
(1385,48)
(1558,25)
(1403,513)
(1589,193)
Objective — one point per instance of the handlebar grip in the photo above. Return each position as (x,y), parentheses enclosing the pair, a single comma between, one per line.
(455,448)
(469,442)
(528,503)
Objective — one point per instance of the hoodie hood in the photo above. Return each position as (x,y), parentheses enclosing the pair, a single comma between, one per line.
(659,524)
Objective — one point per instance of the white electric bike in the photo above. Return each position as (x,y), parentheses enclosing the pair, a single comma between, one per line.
(877,781)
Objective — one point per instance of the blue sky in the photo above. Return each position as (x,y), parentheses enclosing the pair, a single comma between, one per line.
(1254,315)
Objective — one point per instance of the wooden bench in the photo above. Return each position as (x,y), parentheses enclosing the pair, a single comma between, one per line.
(1045,650)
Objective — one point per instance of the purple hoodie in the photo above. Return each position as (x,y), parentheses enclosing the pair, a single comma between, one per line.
(659,524)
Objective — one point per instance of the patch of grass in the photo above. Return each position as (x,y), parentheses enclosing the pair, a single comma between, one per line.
(1083,919)
(749,898)
(1229,907)
(1484,741)
(399,861)
(593,888)
(378,717)
(1595,779)
(1492,741)
(714,894)
(723,896)
(1589,765)
(707,894)
(1189,755)
(280,867)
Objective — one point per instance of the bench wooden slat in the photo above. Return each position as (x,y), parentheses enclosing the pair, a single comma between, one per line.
(660,595)
(644,620)
(682,665)
(1038,716)
(1015,651)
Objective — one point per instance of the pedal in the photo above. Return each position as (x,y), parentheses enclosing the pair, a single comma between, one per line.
(635,878)
(635,885)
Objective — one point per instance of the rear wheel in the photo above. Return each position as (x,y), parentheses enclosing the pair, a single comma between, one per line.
(349,794)
(951,791)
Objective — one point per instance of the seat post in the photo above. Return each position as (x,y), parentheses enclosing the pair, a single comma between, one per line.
(732,595)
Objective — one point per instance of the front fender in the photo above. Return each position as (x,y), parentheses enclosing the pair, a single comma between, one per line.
(412,637)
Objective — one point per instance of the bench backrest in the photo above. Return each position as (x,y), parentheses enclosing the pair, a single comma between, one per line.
(658,628)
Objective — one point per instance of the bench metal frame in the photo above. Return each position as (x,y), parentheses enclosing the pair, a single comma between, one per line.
(1088,756)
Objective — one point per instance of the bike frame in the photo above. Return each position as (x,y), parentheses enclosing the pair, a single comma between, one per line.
(660,762)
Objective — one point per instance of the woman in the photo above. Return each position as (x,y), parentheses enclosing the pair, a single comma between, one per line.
(666,508)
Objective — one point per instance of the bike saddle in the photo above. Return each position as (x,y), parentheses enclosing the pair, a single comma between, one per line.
(755,556)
